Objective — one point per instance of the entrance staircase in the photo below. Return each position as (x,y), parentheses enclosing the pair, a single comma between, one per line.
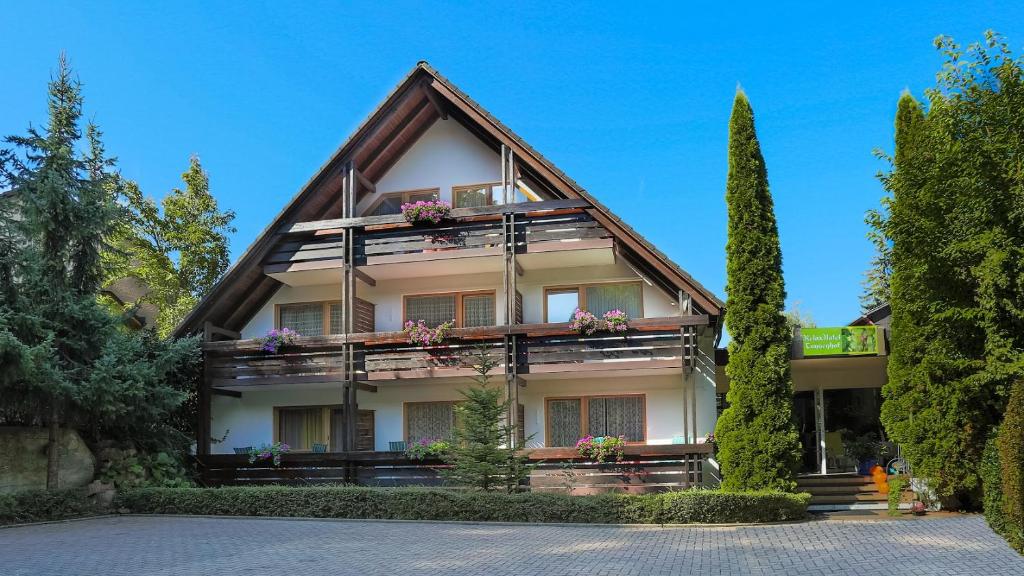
(832,492)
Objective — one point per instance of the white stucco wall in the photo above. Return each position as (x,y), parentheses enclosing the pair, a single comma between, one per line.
(446,155)
(248,421)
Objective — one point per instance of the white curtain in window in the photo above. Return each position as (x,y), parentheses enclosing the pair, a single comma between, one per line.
(604,297)
(306,319)
(564,422)
(429,420)
(616,416)
(478,310)
(433,310)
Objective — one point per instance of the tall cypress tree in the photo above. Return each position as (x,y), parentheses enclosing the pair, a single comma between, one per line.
(758,443)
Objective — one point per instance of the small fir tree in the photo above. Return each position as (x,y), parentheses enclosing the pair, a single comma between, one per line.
(757,439)
(483,455)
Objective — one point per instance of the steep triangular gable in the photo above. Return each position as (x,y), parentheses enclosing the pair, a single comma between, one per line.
(423,97)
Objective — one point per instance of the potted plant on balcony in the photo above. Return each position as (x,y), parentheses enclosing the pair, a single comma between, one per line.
(271,452)
(276,339)
(426,211)
(583,322)
(601,449)
(616,321)
(422,335)
(428,448)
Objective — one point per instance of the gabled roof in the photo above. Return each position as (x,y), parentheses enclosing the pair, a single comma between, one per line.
(414,105)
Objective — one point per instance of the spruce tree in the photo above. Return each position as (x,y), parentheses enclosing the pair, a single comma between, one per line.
(757,439)
(63,359)
(483,455)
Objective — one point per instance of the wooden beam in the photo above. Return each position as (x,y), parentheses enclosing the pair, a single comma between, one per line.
(209,331)
(365,181)
(366,387)
(366,278)
(435,99)
(224,392)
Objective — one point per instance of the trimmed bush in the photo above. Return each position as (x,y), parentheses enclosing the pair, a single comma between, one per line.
(42,505)
(897,484)
(991,471)
(1011,462)
(695,506)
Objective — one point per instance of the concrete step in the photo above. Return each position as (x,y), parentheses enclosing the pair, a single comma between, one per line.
(834,480)
(848,498)
(840,489)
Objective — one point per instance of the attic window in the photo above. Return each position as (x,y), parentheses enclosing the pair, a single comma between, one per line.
(391,203)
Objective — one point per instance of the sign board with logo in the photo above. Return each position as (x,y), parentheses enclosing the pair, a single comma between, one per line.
(841,341)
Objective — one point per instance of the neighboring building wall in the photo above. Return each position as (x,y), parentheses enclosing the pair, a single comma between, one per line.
(446,155)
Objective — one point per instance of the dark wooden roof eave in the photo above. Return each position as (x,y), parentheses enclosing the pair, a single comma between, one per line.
(250,260)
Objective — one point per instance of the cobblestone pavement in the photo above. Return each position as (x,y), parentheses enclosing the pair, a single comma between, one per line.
(232,546)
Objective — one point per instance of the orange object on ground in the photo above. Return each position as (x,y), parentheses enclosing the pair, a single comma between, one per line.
(881,479)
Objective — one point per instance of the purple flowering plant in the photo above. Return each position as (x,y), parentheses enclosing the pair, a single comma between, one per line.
(601,448)
(423,335)
(276,339)
(270,452)
(583,322)
(428,448)
(616,321)
(422,211)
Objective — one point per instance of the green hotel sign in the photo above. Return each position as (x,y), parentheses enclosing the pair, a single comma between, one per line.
(842,341)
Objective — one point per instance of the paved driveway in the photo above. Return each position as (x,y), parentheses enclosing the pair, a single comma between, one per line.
(232,546)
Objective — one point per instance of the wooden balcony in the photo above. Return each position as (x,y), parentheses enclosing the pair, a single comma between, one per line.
(644,469)
(486,231)
(651,343)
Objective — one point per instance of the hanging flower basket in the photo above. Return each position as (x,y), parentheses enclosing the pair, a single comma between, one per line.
(616,321)
(423,335)
(277,339)
(426,211)
(601,448)
(583,322)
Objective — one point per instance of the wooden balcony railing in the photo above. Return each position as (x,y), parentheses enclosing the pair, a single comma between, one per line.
(409,244)
(540,348)
(644,468)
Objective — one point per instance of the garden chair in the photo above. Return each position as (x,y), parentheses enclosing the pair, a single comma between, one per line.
(243,450)
(319,448)
(396,446)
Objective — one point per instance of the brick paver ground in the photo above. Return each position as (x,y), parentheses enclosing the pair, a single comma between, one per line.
(234,546)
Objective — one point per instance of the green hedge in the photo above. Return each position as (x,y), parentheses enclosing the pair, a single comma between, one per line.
(40,505)
(992,489)
(696,506)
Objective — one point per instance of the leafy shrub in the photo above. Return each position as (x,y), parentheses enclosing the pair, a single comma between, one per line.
(693,506)
(42,505)
(428,448)
(897,484)
(130,469)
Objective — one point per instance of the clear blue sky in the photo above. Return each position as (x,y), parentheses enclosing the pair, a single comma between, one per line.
(633,102)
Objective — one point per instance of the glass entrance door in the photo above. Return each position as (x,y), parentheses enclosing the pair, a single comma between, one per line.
(804,414)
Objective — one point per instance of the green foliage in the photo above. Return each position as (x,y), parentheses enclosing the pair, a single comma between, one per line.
(992,486)
(797,318)
(956,226)
(66,360)
(693,506)
(897,484)
(482,454)
(130,469)
(757,439)
(1011,463)
(45,505)
(178,249)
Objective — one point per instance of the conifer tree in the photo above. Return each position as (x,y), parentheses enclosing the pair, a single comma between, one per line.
(63,360)
(483,455)
(757,438)
(956,224)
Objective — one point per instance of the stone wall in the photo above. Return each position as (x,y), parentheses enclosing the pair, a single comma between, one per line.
(23,459)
